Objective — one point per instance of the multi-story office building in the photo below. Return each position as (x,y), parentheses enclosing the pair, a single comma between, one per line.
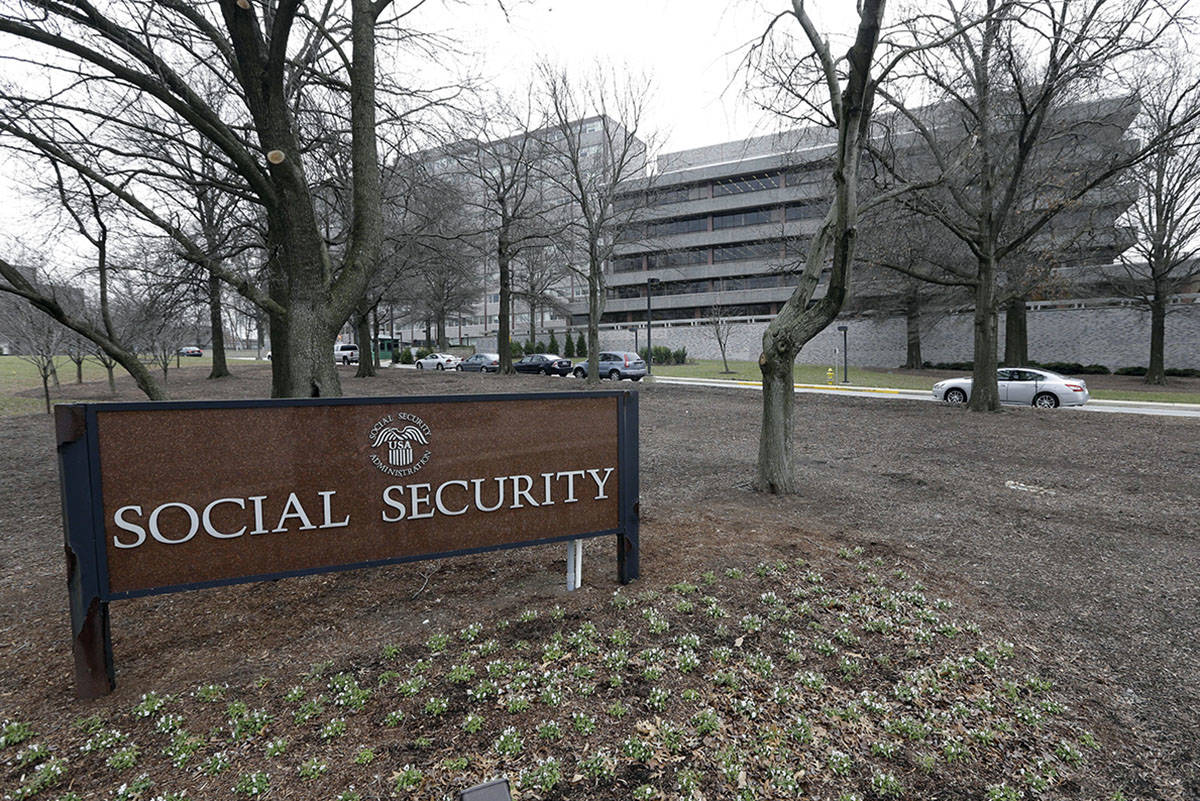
(727,226)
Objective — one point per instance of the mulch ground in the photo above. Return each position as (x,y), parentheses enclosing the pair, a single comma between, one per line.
(1089,563)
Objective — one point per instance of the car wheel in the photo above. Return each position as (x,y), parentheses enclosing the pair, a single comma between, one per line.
(345,360)
(956,396)
(580,373)
(614,375)
(544,371)
(458,367)
(1046,400)
(420,366)
(439,366)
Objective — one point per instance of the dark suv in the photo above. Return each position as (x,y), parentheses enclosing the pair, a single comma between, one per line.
(616,365)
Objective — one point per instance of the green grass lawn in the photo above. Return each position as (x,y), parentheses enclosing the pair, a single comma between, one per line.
(874,377)
(18,377)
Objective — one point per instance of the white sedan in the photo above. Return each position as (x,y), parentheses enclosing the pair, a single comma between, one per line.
(1021,386)
(438,361)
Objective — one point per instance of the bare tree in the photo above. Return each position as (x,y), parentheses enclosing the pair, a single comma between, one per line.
(722,326)
(537,273)
(596,149)
(276,62)
(38,339)
(503,160)
(1013,112)
(842,94)
(1166,216)
(895,243)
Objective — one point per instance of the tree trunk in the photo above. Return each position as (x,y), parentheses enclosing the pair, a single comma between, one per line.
(79,372)
(1016,333)
(375,339)
(595,310)
(259,339)
(776,473)
(46,389)
(1156,373)
(504,330)
(362,332)
(112,380)
(302,337)
(985,394)
(54,375)
(302,362)
(219,368)
(443,339)
(912,318)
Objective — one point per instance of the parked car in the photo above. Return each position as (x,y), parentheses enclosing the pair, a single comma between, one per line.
(1021,386)
(190,350)
(480,363)
(438,361)
(544,363)
(346,353)
(616,365)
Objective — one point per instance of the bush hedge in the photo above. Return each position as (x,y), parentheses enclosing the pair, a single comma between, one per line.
(664,355)
(406,356)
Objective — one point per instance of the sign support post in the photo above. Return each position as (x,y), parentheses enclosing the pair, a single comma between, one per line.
(91,641)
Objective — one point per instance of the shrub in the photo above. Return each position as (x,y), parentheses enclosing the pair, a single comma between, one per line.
(552,345)
(1130,371)
(1182,372)
(581,346)
(516,349)
(423,352)
(530,348)
(679,356)
(540,347)
(953,366)
(569,347)
(406,356)
(1072,368)
(395,355)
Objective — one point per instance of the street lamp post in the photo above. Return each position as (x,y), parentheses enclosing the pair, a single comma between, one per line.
(650,284)
(845,357)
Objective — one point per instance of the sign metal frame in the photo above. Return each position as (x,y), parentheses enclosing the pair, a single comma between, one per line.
(77,435)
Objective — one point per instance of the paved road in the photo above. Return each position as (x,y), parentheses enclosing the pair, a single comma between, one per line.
(1108,406)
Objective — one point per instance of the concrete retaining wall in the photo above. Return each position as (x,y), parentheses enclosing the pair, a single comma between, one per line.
(1112,336)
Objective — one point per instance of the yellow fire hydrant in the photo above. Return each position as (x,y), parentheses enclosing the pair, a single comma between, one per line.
(829,375)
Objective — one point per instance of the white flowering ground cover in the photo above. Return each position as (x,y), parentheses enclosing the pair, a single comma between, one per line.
(769,682)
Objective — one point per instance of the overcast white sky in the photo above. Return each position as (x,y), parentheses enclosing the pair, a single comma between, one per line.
(689,48)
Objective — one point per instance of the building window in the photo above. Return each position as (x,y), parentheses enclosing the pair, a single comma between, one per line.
(746,183)
(739,219)
(678,194)
(627,264)
(803,173)
(808,210)
(747,251)
(677,258)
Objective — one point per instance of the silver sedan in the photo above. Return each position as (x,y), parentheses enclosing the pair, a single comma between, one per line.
(1021,386)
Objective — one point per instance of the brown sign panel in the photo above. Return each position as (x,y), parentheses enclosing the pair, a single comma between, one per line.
(195,496)
(161,497)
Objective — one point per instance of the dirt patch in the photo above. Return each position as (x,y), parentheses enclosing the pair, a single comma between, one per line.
(1097,575)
